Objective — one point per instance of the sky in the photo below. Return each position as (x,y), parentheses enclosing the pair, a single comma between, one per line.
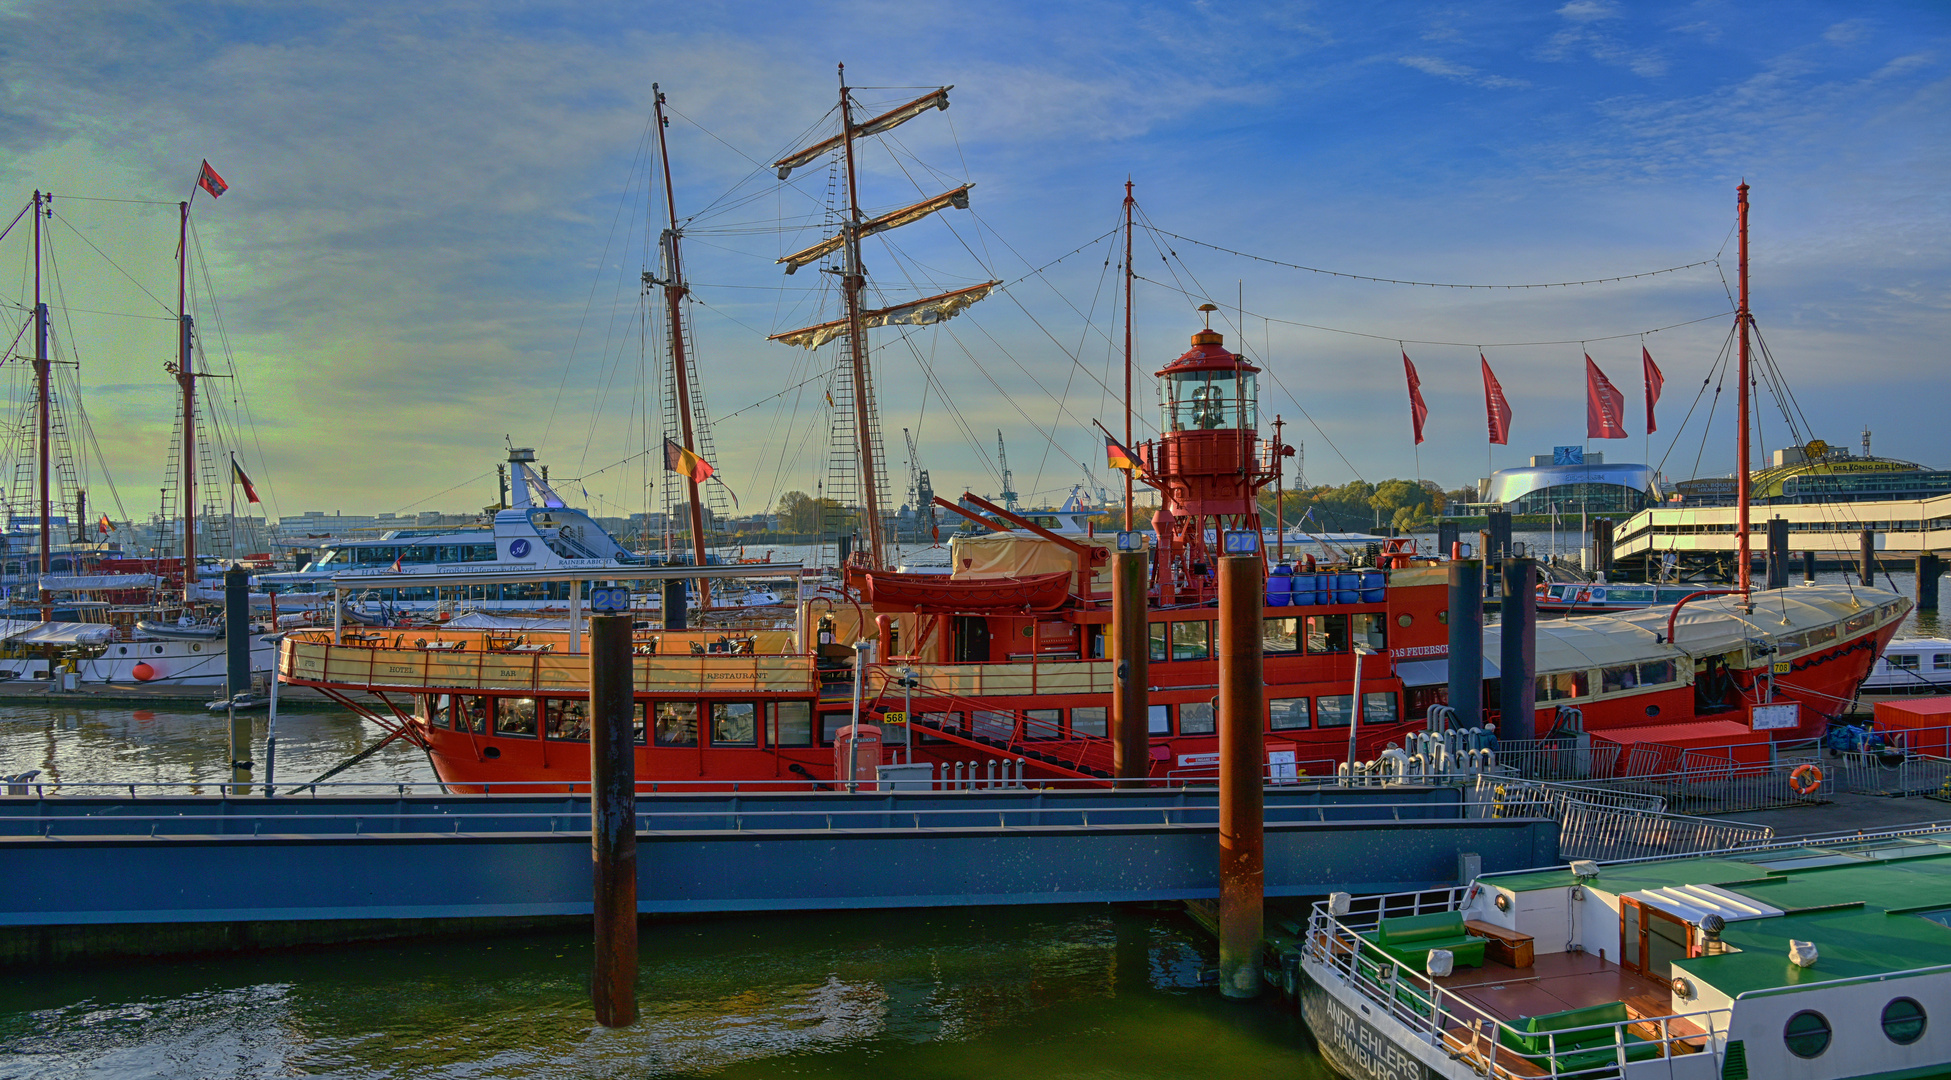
(434,237)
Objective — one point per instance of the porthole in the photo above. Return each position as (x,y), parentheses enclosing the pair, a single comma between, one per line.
(1652,710)
(1404,619)
(1807,1034)
(159,650)
(1903,1021)
(495,752)
(1443,616)
(196,646)
(1503,902)
(121,650)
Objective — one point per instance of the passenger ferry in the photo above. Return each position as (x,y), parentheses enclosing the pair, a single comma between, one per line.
(1912,666)
(1598,597)
(1006,658)
(1804,960)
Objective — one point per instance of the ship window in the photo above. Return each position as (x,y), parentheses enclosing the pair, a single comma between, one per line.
(1656,672)
(789,723)
(1094,642)
(1190,640)
(1327,633)
(1369,630)
(1196,718)
(998,724)
(1563,685)
(1941,662)
(1205,400)
(1280,636)
(1288,714)
(1905,661)
(1159,631)
(1903,1021)
(1089,721)
(1614,679)
(473,715)
(1859,622)
(734,723)
(565,718)
(677,723)
(1043,723)
(1807,1034)
(1376,709)
(515,716)
(948,721)
(1158,719)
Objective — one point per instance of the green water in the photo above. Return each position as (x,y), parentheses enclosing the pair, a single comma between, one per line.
(1083,992)
(1052,993)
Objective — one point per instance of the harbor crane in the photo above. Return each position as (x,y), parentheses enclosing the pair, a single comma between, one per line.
(1008,495)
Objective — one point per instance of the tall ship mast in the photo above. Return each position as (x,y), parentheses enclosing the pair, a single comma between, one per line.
(858,319)
(674,291)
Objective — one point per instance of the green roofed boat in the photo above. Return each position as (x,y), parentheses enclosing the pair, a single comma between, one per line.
(1802,960)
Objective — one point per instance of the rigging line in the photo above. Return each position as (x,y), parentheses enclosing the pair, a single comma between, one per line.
(1766,352)
(105,258)
(624,198)
(90,311)
(1707,428)
(130,202)
(780,394)
(1698,394)
(25,209)
(230,362)
(759,167)
(438,494)
(1291,396)
(1085,246)
(1457,344)
(1433,284)
(1077,363)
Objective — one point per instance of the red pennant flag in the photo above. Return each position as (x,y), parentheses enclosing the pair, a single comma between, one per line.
(1496,408)
(208,180)
(1654,380)
(105,526)
(1605,406)
(1418,412)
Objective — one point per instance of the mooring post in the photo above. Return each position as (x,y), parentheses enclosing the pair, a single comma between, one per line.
(1242,764)
(237,671)
(1929,566)
(1466,617)
(1808,566)
(1517,689)
(675,599)
(1131,654)
(1866,544)
(613,819)
(1778,552)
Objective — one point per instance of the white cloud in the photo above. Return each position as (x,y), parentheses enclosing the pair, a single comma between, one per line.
(1445,69)
(1585,11)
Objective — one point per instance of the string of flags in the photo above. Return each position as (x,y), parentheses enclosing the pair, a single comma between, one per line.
(1605,404)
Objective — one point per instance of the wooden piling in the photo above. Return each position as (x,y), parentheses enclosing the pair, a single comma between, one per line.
(1242,762)
(1777,552)
(1131,650)
(237,671)
(1466,617)
(1808,566)
(1518,658)
(1866,546)
(613,819)
(1929,566)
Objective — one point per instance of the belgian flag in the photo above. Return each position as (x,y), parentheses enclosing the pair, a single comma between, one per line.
(1117,456)
(679,460)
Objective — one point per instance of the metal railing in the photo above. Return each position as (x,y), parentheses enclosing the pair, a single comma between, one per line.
(1431,1013)
(1606,833)
(1558,759)
(1509,796)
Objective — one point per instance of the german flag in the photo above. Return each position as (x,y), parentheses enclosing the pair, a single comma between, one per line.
(679,460)
(237,477)
(1117,456)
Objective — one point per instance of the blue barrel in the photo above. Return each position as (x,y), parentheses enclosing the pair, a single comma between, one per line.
(1280,587)
(1373,586)
(1307,589)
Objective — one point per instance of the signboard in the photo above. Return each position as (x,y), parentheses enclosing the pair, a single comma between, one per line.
(1780,717)
(609,600)
(1782,667)
(1568,455)
(1282,766)
(894,718)
(1195,760)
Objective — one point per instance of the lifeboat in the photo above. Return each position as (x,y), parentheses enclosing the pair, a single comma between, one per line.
(891,591)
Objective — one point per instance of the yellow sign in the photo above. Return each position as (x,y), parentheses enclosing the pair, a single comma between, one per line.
(894,718)
(1781,667)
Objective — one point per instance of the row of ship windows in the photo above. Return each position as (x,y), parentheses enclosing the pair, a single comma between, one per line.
(1807,1033)
(416,553)
(1315,635)
(738,724)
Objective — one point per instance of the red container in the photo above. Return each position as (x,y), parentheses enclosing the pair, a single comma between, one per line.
(1925,722)
(859,744)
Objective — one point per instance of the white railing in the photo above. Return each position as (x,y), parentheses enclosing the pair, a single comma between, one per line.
(1427,1011)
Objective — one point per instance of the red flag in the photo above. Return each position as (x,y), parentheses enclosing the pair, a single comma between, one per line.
(105,526)
(208,180)
(237,477)
(397,559)
(1495,407)
(1605,406)
(1654,380)
(1418,412)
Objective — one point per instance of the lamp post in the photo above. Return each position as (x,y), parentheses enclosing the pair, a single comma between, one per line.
(1355,710)
(907,683)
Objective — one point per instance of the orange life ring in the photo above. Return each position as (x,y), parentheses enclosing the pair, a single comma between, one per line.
(1805,779)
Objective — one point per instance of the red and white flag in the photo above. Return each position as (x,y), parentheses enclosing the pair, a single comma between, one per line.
(1605,406)
(1496,409)
(208,180)
(1654,380)
(397,559)
(1418,412)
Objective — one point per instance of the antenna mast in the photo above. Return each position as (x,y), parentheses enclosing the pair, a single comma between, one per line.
(42,370)
(674,290)
(1129,203)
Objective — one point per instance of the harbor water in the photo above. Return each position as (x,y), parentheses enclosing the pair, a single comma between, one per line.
(1089,991)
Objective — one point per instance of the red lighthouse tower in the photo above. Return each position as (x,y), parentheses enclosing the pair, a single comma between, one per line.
(1206,463)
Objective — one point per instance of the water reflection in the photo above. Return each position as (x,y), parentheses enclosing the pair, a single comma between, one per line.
(1086,991)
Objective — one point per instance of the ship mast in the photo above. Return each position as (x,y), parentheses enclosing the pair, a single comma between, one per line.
(186,380)
(1129,204)
(674,290)
(1742,318)
(853,281)
(43,402)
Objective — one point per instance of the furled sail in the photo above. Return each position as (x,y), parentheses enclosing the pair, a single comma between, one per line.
(923,312)
(937,99)
(959,199)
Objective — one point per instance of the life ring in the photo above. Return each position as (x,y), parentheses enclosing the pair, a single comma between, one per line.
(1805,779)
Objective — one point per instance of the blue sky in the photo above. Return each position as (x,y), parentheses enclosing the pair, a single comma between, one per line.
(434,226)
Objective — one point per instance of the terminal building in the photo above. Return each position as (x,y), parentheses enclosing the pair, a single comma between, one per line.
(1820,473)
(1566,483)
